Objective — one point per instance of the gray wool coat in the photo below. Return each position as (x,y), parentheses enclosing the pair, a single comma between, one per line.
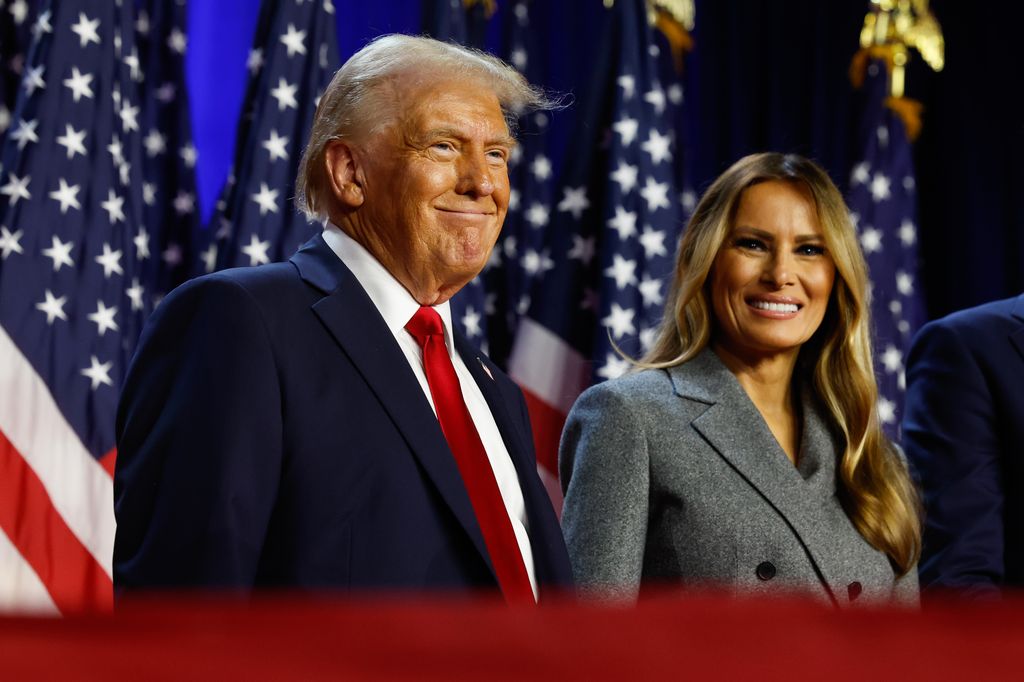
(672,476)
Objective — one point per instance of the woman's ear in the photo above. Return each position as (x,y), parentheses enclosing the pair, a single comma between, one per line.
(343,172)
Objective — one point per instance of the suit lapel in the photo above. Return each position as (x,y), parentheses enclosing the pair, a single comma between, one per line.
(1017,337)
(351,318)
(737,432)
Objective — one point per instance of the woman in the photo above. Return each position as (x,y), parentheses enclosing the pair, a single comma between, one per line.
(747,452)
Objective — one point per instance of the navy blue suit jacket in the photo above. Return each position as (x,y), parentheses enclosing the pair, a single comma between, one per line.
(963,432)
(271,433)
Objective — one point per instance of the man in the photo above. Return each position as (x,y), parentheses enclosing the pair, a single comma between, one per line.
(964,434)
(319,423)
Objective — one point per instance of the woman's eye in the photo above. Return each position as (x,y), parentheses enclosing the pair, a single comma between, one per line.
(750,243)
(811,250)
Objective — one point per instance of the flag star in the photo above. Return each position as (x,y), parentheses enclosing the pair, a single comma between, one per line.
(73,140)
(255,60)
(880,187)
(625,175)
(628,85)
(172,255)
(142,23)
(124,172)
(871,240)
(294,40)
(523,305)
(110,260)
(25,132)
(908,183)
(675,93)
(266,198)
(87,30)
(653,242)
(5,118)
(177,41)
(132,62)
(116,151)
(904,282)
(135,292)
(513,200)
(155,143)
(861,174)
(129,118)
(18,11)
(225,229)
(141,241)
(60,253)
(114,206)
(276,145)
(16,188)
(614,367)
(98,372)
(256,250)
(620,321)
(471,323)
(583,249)
(658,146)
(209,258)
(166,92)
(104,318)
(284,93)
(518,57)
(9,242)
(510,246)
(541,167)
(882,133)
(655,194)
(656,98)
(886,410)
(628,129)
(855,220)
(622,270)
(907,233)
(33,79)
(67,196)
(624,222)
(53,307)
(575,201)
(895,307)
(536,263)
(892,359)
(515,156)
(148,193)
(184,203)
(537,215)
(650,291)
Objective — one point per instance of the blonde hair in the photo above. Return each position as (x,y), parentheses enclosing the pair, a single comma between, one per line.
(875,487)
(356,101)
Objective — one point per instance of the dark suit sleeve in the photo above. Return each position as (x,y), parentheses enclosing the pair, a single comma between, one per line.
(199,446)
(950,438)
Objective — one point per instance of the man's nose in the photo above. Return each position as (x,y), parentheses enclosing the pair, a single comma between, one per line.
(476,175)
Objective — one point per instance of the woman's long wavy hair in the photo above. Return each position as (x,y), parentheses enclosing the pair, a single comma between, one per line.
(875,486)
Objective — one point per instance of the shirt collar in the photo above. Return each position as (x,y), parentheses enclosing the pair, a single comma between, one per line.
(394,302)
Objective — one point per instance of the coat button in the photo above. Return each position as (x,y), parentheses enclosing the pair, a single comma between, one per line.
(766,570)
(854,589)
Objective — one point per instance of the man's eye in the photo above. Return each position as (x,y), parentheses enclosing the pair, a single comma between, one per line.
(497,155)
(444,146)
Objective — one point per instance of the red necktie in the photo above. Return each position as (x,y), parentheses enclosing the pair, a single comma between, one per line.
(471,458)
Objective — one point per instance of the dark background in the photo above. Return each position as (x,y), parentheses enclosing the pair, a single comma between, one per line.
(765,74)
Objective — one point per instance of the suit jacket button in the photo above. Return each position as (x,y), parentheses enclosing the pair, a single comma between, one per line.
(766,570)
(854,589)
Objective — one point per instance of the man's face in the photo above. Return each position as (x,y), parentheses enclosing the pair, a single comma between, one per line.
(435,186)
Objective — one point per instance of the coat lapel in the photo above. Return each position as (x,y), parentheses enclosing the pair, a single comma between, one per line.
(1017,337)
(737,432)
(351,318)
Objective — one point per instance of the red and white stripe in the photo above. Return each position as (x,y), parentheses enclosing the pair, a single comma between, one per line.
(552,375)
(56,501)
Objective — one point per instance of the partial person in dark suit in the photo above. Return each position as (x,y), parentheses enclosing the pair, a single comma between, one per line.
(963,431)
(746,453)
(320,423)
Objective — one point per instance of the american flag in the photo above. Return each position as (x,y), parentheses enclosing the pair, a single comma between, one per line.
(883,206)
(464,22)
(71,301)
(17,17)
(614,226)
(169,159)
(294,56)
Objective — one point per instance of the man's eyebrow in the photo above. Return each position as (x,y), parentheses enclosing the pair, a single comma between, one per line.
(504,140)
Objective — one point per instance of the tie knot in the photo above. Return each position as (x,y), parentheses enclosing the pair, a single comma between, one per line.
(425,323)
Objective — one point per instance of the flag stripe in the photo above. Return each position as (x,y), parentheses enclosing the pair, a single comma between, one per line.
(547,423)
(71,575)
(81,491)
(20,587)
(548,367)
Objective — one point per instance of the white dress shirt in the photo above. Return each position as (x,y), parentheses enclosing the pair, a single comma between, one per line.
(397,306)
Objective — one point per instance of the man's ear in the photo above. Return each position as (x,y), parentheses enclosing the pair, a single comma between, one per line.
(344,174)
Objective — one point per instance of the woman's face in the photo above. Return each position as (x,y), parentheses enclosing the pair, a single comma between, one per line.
(772,277)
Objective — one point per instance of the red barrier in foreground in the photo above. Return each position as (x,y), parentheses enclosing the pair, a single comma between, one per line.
(667,637)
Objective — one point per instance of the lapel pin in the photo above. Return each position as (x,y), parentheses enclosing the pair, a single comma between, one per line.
(486,368)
